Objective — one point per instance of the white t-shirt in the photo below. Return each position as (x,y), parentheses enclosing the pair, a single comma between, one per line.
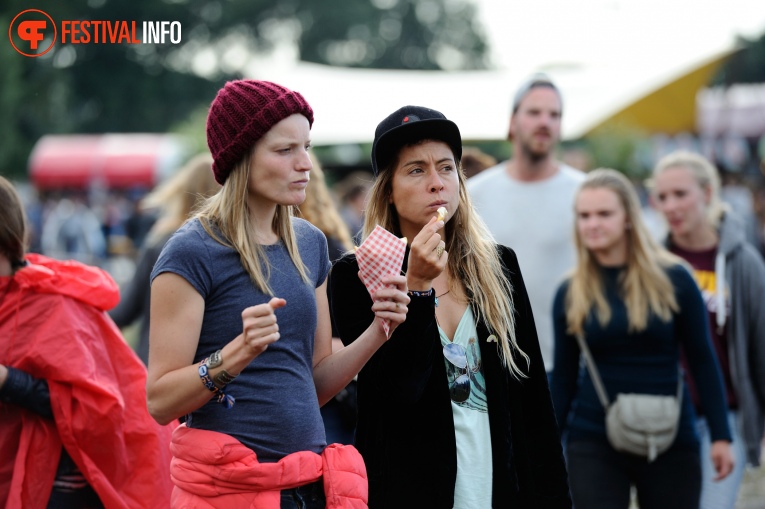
(473,487)
(536,220)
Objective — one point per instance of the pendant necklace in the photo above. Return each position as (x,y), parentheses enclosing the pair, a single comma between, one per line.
(437,296)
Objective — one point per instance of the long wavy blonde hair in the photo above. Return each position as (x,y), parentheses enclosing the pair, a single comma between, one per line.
(226,218)
(473,256)
(319,209)
(645,285)
(180,196)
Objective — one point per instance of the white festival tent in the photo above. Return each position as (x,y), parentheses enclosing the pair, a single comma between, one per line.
(348,103)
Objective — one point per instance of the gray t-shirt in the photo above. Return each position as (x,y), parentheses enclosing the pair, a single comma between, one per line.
(536,220)
(276,411)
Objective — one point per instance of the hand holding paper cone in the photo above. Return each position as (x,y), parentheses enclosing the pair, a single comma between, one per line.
(381,254)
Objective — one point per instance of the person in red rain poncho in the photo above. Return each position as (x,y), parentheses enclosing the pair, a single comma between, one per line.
(76,431)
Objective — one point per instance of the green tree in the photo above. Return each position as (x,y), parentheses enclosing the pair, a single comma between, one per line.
(745,66)
(92,88)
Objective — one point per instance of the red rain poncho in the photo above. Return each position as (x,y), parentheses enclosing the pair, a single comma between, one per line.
(53,325)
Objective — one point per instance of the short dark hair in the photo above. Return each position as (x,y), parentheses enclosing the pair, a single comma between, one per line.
(536,81)
(13,224)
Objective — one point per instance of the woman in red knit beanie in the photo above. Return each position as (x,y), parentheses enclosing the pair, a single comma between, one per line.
(240,338)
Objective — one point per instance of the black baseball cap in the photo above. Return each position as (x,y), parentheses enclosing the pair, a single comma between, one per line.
(411,124)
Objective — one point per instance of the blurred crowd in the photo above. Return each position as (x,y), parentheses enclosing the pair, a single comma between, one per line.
(109,227)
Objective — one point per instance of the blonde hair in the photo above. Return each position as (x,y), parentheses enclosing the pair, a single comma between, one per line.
(226,218)
(645,285)
(319,209)
(703,172)
(181,195)
(472,255)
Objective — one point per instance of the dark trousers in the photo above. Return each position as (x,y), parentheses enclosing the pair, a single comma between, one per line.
(84,498)
(601,478)
(310,496)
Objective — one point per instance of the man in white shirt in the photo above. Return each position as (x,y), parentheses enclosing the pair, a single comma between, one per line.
(527,201)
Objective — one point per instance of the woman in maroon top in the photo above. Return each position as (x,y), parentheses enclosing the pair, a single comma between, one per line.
(731,274)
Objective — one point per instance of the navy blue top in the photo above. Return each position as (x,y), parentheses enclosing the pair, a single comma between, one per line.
(277,410)
(637,362)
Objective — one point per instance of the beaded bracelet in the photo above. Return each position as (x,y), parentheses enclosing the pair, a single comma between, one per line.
(415,293)
(204,375)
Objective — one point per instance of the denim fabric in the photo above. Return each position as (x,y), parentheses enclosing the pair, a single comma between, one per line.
(720,494)
(309,496)
(601,478)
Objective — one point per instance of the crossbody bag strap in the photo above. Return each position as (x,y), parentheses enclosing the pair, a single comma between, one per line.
(598,383)
(593,369)
(679,386)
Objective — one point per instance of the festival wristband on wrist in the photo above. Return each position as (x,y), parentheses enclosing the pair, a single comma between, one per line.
(204,375)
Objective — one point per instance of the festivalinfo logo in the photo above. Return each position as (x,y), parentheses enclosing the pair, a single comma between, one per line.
(33,32)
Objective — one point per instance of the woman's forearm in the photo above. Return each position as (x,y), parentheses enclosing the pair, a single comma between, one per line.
(336,371)
(183,390)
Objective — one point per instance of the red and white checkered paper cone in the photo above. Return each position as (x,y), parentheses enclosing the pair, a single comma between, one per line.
(381,254)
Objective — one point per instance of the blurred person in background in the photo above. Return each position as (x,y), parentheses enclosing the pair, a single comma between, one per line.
(731,275)
(75,429)
(454,410)
(759,208)
(72,230)
(635,305)
(139,220)
(240,338)
(527,200)
(339,414)
(736,193)
(175,200)
(353,195)
(319,209)
(474,161)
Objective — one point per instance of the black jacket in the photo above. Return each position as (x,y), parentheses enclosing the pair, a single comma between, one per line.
(405,429)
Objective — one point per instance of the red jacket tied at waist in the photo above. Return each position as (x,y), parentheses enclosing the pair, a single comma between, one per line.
(213,470)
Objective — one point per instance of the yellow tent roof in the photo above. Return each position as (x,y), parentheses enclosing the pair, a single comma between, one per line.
(670,108)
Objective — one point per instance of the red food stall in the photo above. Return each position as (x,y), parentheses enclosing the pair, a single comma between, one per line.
(116,161)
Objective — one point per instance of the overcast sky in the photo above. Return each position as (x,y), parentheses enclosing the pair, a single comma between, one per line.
(529,33)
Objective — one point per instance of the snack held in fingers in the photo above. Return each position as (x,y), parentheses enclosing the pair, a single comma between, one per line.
(441,213)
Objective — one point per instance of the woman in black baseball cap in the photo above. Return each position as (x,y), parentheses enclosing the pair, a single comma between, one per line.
(454,410)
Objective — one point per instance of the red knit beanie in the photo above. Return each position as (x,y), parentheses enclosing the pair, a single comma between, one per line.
(241,113)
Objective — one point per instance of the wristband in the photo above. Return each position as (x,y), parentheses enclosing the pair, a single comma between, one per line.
(204,375)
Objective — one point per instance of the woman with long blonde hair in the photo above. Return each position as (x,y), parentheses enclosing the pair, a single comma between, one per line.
(240,338)
(634,305)
(731,275)
(456,403)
